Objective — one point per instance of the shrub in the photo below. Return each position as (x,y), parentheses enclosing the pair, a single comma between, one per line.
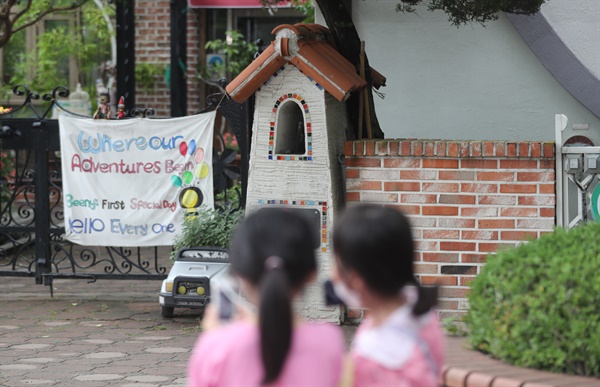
(538,305)
(211,228)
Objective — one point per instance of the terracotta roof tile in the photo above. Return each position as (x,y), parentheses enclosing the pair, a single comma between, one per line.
(308,47)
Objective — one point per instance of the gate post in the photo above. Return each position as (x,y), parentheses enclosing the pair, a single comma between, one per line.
(42,205)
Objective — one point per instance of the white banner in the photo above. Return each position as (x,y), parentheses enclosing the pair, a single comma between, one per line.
(129,182)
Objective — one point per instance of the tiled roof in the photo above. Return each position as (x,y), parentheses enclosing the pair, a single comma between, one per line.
(310,49)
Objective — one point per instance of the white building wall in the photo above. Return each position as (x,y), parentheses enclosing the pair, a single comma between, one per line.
(467,83)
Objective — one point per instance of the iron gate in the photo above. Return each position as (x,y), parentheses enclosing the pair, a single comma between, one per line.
(31,206)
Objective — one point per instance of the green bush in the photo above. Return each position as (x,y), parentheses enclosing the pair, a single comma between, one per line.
(211,228)
(538,305)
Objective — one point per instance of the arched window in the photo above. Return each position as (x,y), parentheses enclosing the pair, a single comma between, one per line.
(290,135)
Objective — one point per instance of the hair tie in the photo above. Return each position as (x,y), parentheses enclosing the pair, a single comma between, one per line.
(274,262)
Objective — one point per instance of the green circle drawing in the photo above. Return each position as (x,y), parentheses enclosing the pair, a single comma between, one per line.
(596,203)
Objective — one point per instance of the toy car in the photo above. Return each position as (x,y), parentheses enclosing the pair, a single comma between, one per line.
(188,282)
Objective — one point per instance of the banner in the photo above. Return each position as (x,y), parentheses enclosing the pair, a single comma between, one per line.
(130,182)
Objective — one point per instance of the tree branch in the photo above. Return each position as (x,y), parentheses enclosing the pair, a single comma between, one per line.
(46,12)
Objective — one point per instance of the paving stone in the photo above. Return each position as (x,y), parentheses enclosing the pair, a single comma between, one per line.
(6,367)
(40,360)
(36,382)
(166,350)
(148,378)
(30,346)
(105,355)
(98,377)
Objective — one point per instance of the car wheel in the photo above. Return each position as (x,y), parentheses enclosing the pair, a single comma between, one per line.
(167,312)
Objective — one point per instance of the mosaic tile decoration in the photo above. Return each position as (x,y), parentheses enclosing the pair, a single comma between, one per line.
(271,77)
(313,203)
(312,80)
(309,155)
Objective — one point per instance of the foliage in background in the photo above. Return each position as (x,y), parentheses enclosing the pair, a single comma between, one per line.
(7,174)
(146,74)
(538,305)
(238,55)
(47,66)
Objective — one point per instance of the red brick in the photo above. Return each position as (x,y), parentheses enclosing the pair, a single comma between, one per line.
(523,149)
(441,234)
(535,176)
(479,211)
(456,175)
(349,148)
(456,223)
(382,148)
(456,199)
(354,313)
(498,200)
(517,235)
(440,148)
(485,247)
(488,148)
(466,280)
(506,382)
(440,257)
(405,148)
(370,148)
(500,149)
(457,246)
(548,149)
(476,149)
(539,224)
(518,164)
(363,185)
(418,198)
(547,212)
(518,188)
(440,187)
(511,149)
(440,163)
(417,148)
(536,150)
(352,173)
(409,210)
(401,186)
(547,188)
(518,212)
(495,176)
(476,379)
(473,258)
(418,174)
(538,200)
(401,163)
(453,149)
(479,187)
(363,162)
(446,304)
(496,223)
(454,292)
(486,235)
(439,280)
(547,164)
(440,210)
(424,268)
(352,197)
(465,149)
(429,148)
(359,148)
(426,245)
(479,164)
(378,197)
(394,147)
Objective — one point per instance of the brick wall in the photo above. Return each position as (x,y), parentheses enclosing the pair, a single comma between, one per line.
(153,45)
(465,200)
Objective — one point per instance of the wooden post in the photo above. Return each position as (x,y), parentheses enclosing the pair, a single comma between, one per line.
(361,102)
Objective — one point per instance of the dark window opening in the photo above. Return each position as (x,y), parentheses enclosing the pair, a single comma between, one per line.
(290,131)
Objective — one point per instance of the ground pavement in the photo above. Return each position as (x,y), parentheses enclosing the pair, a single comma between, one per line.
(111,333)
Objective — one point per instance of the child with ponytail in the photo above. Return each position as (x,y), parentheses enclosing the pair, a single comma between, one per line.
(400,342)
(273,258)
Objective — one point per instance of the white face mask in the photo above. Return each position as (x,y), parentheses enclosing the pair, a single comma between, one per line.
(350,298)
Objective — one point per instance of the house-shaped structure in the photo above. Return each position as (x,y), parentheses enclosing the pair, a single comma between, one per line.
(300,82)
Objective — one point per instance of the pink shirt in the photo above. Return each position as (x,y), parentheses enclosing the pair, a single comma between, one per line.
(403,351)
(230,356)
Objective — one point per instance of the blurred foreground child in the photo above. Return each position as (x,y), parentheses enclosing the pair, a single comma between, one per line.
(272,256)
(400,342)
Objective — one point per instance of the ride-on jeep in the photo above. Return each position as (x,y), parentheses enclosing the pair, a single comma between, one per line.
(188,282)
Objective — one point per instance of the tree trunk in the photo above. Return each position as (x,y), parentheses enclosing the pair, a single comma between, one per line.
(347,41)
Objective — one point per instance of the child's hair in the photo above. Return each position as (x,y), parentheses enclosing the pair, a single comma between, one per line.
(105,94)
(376,242)
(271,250)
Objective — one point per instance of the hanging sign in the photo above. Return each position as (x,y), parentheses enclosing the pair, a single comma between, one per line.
(130,182)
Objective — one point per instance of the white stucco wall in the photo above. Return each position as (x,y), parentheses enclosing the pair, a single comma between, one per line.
(473,82)
(300,181)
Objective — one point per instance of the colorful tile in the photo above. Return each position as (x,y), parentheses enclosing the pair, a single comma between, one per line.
(307,123)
